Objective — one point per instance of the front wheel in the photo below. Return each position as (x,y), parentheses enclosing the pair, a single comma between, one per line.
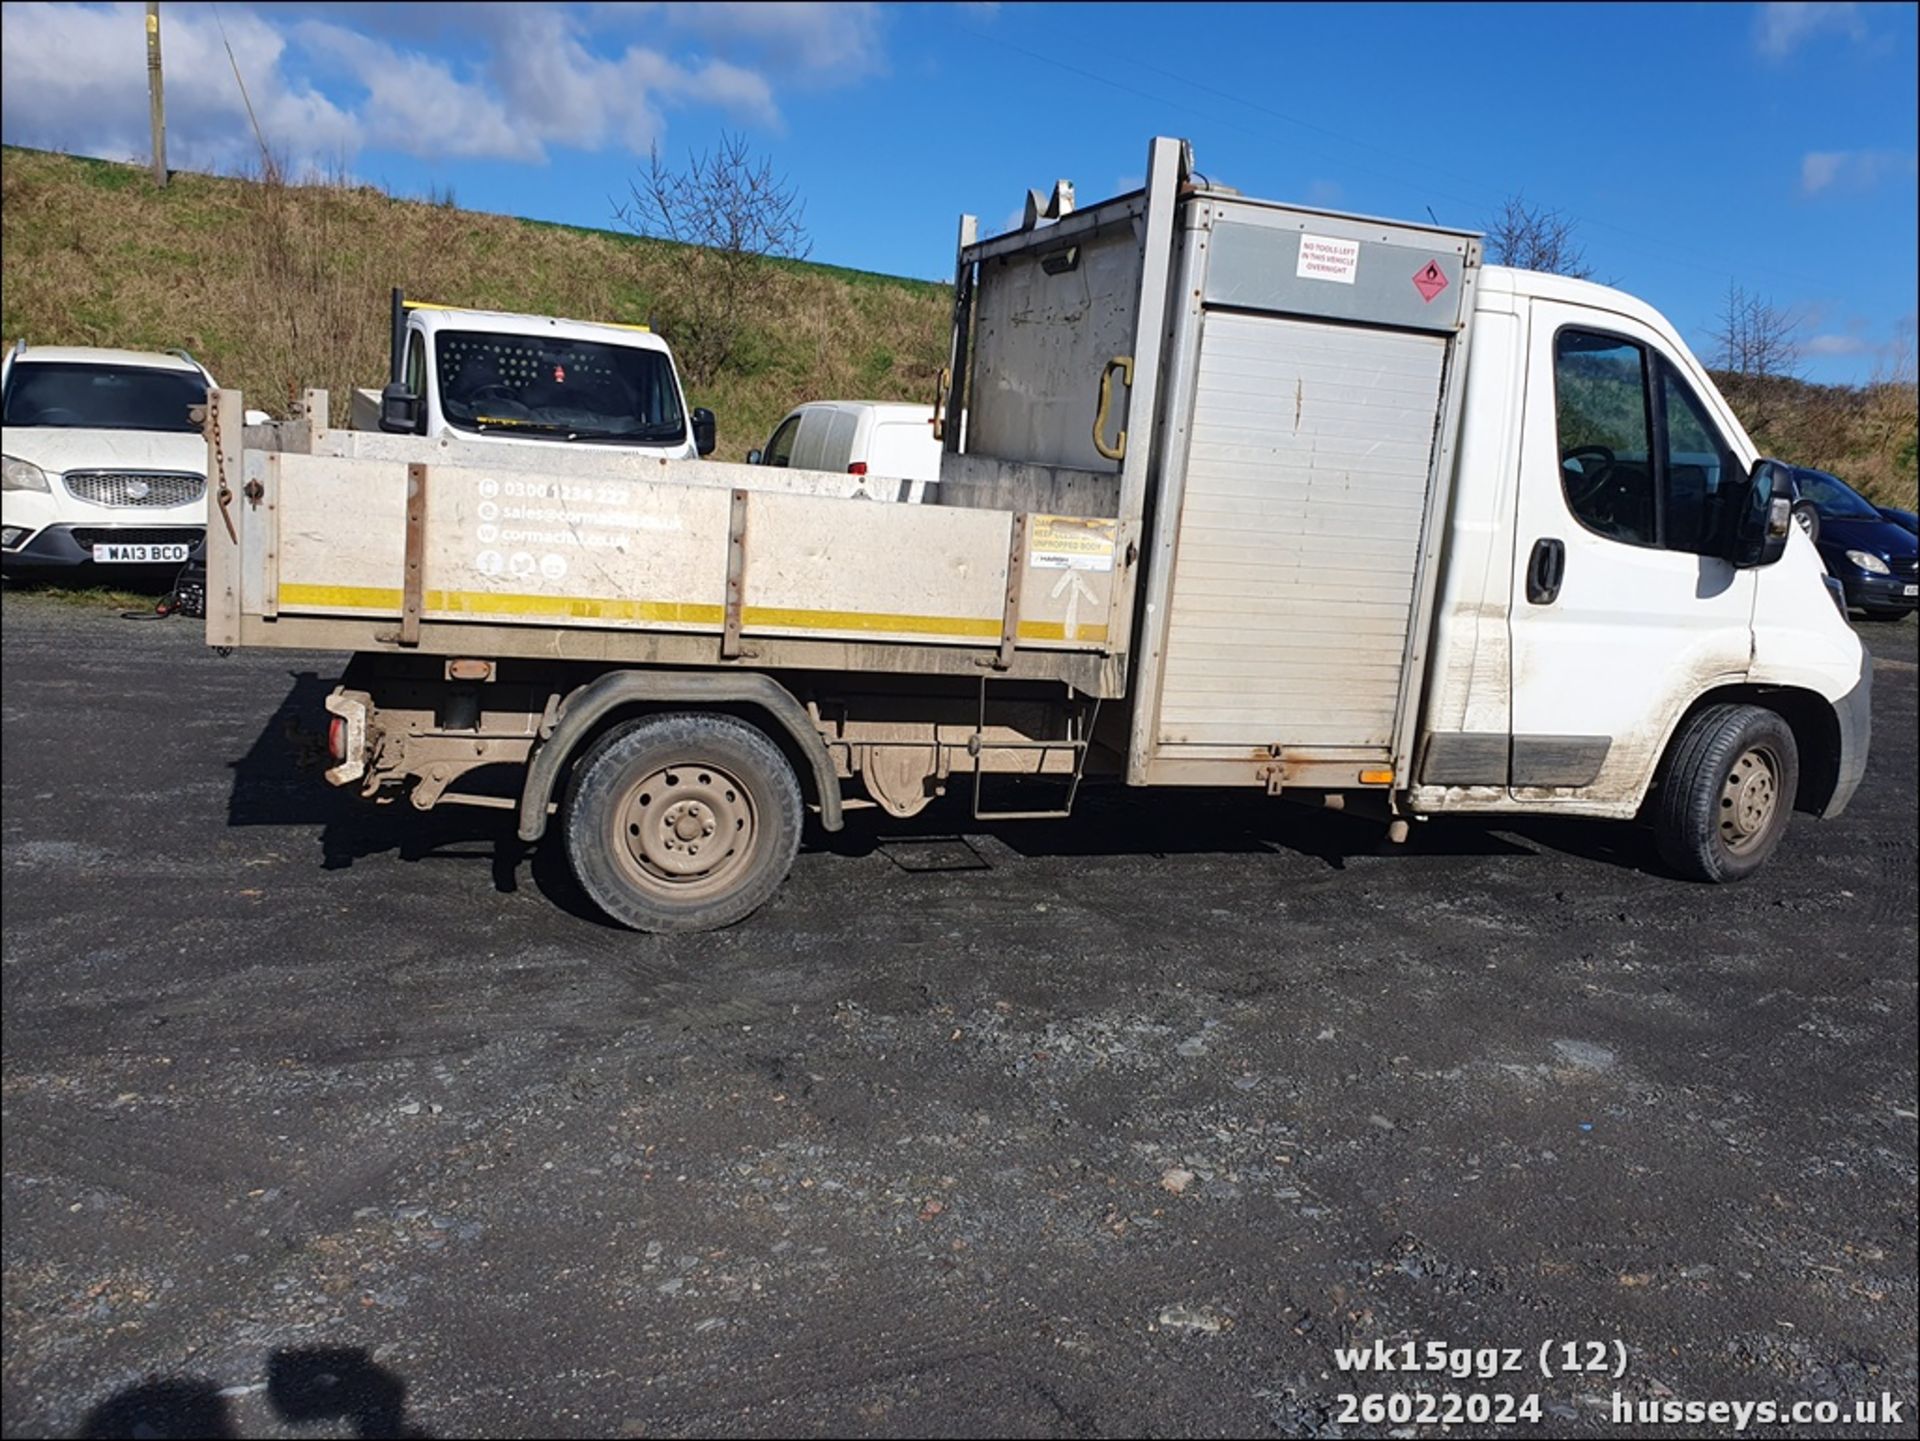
(682,822)
(1728,792)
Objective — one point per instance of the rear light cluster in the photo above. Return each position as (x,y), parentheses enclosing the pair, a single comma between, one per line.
(337,738)
(859,467)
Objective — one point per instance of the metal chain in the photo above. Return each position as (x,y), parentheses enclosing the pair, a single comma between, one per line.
(220,467)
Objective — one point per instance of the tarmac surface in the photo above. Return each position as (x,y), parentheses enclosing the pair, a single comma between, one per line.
(328,1119)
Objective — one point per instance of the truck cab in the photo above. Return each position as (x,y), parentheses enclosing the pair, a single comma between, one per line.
(1595,604)
(508,379)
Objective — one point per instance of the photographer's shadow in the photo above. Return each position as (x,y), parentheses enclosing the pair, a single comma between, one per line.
(311,1384)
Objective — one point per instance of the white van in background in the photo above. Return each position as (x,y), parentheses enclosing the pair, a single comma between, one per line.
(861,437)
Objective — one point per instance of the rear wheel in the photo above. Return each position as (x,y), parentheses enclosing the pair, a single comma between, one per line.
(1728,792)
(682,822)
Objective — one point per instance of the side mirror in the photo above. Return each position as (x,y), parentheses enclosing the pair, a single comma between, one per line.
(399,410)
(703,430)
(753,456)
(1764,517)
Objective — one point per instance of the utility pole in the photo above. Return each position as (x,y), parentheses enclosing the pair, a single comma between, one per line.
(156,94)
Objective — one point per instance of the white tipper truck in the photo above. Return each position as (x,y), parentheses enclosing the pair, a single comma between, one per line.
(1248,495)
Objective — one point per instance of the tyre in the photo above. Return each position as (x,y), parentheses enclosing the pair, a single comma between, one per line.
(1807,516)
(1728,792)
(682,822)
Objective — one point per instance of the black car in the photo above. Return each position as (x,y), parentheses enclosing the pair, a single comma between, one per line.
(1872,555)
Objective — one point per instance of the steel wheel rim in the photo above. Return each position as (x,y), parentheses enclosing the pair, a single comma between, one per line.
(1748,798)
(1804,521)
(686,828)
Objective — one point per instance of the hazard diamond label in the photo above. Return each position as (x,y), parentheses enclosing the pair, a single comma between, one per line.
(1430,280)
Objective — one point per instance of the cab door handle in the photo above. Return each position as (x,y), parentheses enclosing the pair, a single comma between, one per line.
(1546,568)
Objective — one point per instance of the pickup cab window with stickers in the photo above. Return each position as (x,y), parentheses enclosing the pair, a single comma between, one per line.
(578,389)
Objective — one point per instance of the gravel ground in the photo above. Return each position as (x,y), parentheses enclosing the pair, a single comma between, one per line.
(322,1119)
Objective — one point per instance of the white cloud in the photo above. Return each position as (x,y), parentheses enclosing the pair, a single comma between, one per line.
(1839,345)
(535,78)
(1851,170)
(73,77)
(732,87)
(815,44)
(542,85)
(416,105)
(1856,337)
(1781,28)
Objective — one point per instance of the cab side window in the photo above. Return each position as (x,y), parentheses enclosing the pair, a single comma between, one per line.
(1699,463)
(780,448)
(1605,425)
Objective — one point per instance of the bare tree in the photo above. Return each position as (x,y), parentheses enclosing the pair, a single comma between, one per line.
(1532,237)
(742,215)
(1756,356)
(1756,340)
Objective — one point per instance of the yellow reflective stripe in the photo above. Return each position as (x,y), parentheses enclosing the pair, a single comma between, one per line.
(1054,630)
(753,617)
(478,310)
(340,597)
(488,602)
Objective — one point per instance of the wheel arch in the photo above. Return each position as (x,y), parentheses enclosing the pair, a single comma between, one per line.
(1808,714)
(588,710)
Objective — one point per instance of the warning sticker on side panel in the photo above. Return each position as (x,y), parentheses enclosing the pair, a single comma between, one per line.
(1323,258)
(1070,542)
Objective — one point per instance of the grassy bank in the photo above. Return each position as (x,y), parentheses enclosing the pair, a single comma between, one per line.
(280,287)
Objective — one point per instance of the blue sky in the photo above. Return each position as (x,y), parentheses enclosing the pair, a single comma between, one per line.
(1769,145)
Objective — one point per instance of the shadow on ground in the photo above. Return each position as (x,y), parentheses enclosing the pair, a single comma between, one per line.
(279,782)
(329,1383)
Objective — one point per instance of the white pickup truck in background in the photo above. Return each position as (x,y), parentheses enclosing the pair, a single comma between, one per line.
(1248,494)
(499,378)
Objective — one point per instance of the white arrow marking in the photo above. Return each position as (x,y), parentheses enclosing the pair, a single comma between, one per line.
(1073,588)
